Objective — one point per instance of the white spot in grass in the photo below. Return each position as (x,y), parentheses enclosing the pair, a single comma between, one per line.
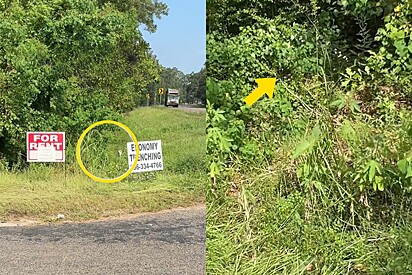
(60,216)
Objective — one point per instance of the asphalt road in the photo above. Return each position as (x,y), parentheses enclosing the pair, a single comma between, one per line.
(166,243)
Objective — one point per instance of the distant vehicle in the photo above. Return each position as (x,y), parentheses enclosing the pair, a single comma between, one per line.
(172,98)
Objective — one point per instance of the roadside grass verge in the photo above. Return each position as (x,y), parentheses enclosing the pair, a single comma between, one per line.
(44,190)
(253,230)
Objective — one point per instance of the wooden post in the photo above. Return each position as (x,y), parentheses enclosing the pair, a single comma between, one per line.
(65,175)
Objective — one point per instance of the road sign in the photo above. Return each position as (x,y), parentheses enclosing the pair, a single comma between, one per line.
(150,156)
(147,96)
(45,146)
(161,92)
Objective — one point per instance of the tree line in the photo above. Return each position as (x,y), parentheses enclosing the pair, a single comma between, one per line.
(192,87)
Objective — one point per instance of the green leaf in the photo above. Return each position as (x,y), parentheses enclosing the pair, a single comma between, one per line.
(378,180)
(318,186)
(307,144)
(397,34)
(409,174)
(301,148)
(347,131)
(371,172)
(214,169)
(306,170)
(315,134)
(373,167)
(225,144)
(299,172)
(346,82)
(400,47)
(355,107)
(339,103)
(403,165)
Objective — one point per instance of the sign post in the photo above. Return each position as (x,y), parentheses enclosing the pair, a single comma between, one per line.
(147,97)
(161,91)
(150,156)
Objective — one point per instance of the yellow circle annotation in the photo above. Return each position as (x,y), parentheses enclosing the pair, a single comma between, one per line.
(79,159)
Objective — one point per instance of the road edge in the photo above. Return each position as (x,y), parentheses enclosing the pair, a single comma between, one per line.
(25,222)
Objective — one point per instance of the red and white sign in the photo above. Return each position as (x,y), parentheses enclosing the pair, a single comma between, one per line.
(45,146)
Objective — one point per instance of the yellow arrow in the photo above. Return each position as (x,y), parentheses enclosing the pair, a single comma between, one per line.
(265,86)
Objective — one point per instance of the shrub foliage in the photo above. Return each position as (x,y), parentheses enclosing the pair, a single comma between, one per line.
(339,126)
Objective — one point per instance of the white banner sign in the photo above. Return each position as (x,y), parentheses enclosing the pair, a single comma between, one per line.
(150,156)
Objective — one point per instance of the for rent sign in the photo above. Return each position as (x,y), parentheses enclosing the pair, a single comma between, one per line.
(45,147)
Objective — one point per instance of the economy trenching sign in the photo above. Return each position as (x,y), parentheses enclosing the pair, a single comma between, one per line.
(150,156)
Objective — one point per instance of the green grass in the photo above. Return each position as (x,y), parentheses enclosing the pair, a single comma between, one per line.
(299,190)
(44,190)
(253,230)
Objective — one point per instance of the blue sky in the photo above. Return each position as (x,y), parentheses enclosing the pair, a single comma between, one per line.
(180,39)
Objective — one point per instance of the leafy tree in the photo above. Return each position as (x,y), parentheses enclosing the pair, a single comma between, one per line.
(192,86)
(196,87)
(143,10)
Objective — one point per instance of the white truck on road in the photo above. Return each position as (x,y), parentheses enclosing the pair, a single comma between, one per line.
(172,98)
